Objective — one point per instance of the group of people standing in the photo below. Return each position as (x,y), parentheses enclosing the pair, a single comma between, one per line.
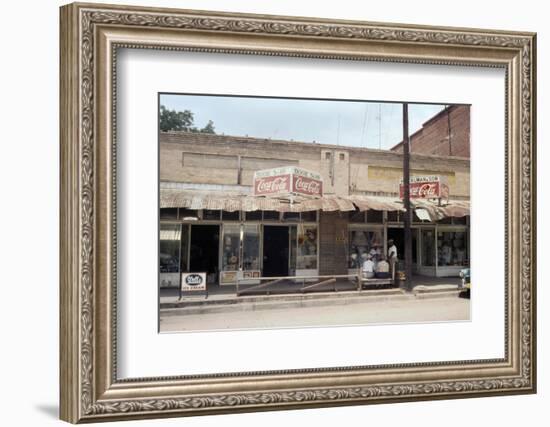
(379,266)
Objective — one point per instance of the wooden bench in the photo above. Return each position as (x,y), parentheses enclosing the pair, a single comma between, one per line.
(375,282)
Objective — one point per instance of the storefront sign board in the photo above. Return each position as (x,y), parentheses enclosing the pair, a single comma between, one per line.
(228,277)
(193,281)
(286,181)
(426,187)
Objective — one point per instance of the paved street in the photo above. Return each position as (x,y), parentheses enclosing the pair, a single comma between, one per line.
(385,311)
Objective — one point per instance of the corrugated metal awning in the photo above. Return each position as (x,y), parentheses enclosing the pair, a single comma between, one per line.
(228,201)
(378,203)
(233,201)
(455,208)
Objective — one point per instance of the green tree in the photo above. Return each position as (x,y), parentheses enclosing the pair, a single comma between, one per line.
(209,128)
(181,121)
(175,120)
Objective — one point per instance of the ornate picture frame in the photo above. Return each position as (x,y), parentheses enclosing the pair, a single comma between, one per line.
(91,34)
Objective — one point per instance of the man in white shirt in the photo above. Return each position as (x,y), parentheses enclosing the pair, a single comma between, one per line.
(382,269)
(368,267)
(392,256)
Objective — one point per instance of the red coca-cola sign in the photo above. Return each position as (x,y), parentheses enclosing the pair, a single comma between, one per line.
(288,181)
(425,188)
(277,184)
(307,186)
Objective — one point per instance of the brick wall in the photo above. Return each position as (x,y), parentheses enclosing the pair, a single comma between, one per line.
(433,137)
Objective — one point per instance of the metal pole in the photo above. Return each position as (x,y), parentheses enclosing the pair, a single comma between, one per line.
(448,108)
(407,199)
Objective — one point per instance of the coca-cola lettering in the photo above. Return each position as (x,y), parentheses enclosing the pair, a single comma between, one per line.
(425,190)
(308,186)
(428,190)
(287,181)
(274,184)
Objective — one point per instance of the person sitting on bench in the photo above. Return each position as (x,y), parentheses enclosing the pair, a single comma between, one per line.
(382,269)
(368,268)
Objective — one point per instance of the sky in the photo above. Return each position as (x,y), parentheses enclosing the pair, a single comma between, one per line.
(347,123)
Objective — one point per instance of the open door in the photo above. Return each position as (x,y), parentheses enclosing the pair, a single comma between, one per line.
(276,250)
(204,251)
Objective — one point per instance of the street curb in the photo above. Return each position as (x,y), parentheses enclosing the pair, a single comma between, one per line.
(276,302)
(441,294)
(435,289)
(289,297)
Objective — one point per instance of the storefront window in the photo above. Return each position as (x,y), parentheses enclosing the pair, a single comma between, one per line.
(363,243)
(188,214)
(230,216)
(211,215)
(451,248)
(168,213)
(271,215)
(251,247)
(291,216)
(169,255)
(309,216)
(307,247)
(357,217)
(231,245)
(454,220)
(169,248)
(393,216)
(184,248)
(375,217)
(293,247)
(414,236)
(254,216)
(462,220)
(428,248)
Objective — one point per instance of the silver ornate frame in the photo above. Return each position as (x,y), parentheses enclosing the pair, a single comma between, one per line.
(90,37)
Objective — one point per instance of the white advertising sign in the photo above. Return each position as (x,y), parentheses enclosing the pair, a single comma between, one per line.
(193,281)
(288,180)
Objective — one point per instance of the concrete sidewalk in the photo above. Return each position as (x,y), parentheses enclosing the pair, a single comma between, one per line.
(224,298)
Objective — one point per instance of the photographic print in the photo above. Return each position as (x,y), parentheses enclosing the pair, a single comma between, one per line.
(269,212)
(290,212)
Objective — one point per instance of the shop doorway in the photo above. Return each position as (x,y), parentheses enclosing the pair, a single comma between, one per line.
(276,250)
(204,251)
(398,236)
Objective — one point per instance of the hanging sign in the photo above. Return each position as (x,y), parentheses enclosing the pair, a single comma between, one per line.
(426,187)
(287,180)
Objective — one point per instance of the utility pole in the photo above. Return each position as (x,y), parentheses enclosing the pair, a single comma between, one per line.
(448,108)
(407,199)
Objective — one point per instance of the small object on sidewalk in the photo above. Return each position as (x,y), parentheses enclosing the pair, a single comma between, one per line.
(401,279)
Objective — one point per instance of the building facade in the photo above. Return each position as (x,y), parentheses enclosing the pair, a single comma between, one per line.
(210,220)
(445,134)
